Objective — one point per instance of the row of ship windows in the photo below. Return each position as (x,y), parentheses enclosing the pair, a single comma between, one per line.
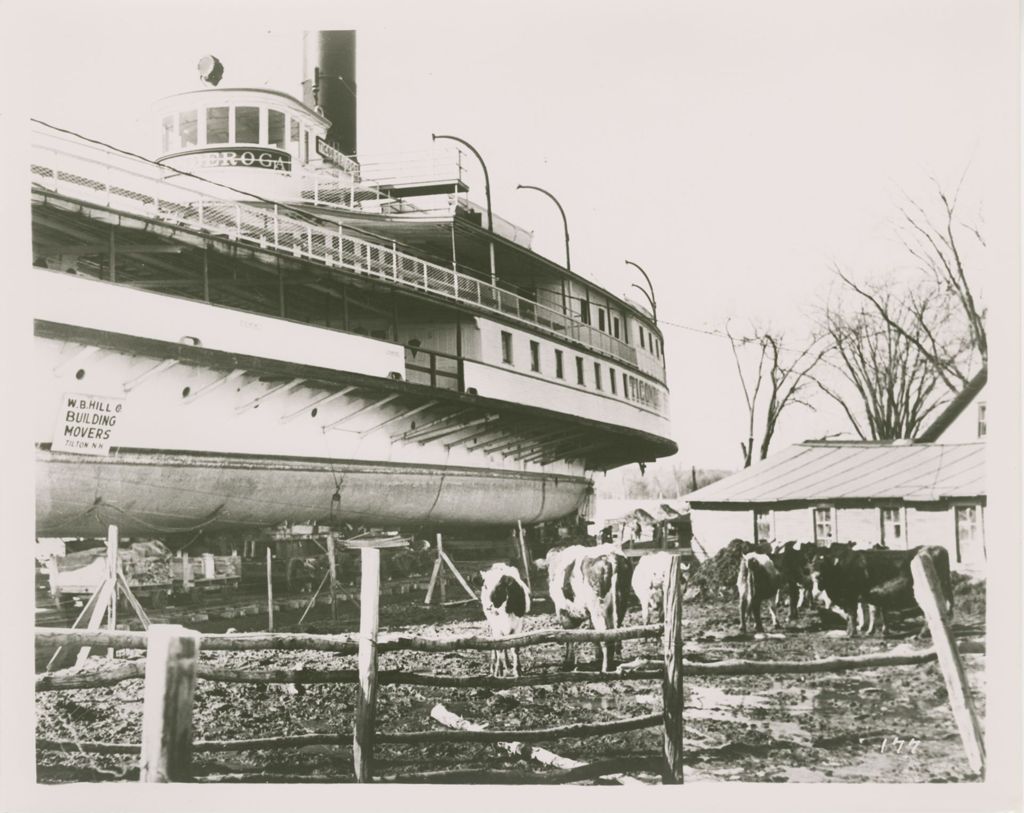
(235,125)
(633,388)
(648,341)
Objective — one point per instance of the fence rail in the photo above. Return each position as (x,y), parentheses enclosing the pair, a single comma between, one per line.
(106,177)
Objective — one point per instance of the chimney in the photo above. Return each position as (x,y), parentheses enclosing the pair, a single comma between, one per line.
(329,82)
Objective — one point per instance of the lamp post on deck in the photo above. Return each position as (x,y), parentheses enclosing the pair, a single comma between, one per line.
(487,193)
(650,296)
(565,222)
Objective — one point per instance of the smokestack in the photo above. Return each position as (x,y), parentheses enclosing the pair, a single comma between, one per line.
(329,82)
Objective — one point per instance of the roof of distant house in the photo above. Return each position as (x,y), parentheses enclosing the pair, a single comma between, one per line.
(836,471)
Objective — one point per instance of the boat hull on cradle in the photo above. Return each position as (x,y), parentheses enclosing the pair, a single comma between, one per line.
(149,492)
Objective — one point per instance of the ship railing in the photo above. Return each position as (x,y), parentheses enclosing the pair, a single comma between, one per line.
(69,165)
(433,368)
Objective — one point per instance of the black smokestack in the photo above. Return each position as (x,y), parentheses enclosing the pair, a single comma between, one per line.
(329,59)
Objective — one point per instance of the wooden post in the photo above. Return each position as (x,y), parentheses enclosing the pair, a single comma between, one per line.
(441,575)
(366,708)
(112,569)
(270,592)
(932,602)
(332,574)
(525,554)
(672,681)
(172,654)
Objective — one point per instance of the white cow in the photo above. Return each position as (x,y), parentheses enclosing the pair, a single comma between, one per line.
(649,581)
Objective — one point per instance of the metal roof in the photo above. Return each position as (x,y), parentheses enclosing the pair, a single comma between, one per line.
(833,471)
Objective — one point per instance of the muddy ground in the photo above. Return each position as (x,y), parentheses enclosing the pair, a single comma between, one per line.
(788,728)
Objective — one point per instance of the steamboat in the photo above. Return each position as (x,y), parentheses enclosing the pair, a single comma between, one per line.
(256,326)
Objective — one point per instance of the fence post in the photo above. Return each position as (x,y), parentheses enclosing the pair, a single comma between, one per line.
(270,592)
(332,565)
(932,603)
(672,680)
(366,708)
(172,653)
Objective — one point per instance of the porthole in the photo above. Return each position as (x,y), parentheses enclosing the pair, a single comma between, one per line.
(314,412)
(185,392)
(80,375)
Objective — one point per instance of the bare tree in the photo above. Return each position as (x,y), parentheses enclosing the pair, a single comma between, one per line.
(884,379)
(783,374)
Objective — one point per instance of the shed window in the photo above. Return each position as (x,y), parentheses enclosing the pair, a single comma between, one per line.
(579,372)
(506,347)
(892,527)
(188,128)
(275,128)
(247,125)
(559,364)
(217,125)
(824,526)
(535,356)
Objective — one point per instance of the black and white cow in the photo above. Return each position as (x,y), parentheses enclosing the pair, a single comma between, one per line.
(589,584)
(506,601)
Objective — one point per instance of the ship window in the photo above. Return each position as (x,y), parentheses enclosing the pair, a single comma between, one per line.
(600,318)
(615,326)
(506,347)
(275,128)
(217,125)
(304,146)
(294,137)
(168,133)
(579,372)
(559,364)
(187,128)
(247,125)
(642,344)
(535,356)
(611,380)
(597,376)
(584,311)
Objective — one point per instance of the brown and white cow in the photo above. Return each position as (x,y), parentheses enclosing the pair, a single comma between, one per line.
(506,600)
(757,582)
(589,584)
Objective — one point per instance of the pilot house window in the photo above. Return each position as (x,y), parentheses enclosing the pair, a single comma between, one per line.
(217,125)
(275,128)
(579,372)
(506,347)
(535,356)
(247,125)
(168,133)
(188,129)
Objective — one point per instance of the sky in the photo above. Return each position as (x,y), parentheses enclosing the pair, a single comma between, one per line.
(735,150)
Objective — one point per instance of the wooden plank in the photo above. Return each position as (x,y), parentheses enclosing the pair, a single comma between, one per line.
(171,659)
(458,577)
(519,749)
(929,597)
(270,591)
(524,554)
(112,546)
(67,651)
(366,702)
(672,680)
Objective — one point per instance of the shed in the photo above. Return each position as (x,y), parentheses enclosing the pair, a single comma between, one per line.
(898,493)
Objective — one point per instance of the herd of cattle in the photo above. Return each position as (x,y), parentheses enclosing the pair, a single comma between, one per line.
(591,585)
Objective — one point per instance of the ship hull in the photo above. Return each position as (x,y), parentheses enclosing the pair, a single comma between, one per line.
(150,492)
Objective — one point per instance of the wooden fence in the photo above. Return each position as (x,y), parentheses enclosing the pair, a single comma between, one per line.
(172,667)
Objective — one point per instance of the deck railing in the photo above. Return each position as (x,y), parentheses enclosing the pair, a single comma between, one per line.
(68,165)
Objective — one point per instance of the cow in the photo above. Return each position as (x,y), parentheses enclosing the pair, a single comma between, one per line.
(792,560)
(758,581)
(649,581)
(506,600)
(878,578)
(589,584)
